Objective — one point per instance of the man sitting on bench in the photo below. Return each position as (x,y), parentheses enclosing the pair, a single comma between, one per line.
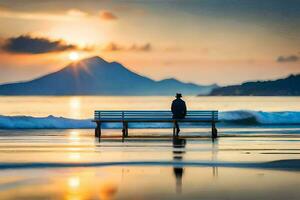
(178,109)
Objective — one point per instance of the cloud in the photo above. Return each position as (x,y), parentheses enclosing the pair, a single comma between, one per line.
(117,47)
(107,15)
(77,13)
(66,15)
(144,47)
(113,47)
(71,14)
(291,58)
(172,49)
(35,45)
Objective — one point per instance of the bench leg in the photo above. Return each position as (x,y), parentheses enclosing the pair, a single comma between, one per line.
(214,131)
(126,129)
(98,130)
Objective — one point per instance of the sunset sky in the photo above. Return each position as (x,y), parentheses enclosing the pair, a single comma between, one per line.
(201,41)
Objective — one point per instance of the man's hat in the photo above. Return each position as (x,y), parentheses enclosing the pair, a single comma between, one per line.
(178,95)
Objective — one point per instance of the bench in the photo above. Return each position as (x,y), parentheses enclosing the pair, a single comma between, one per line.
(158,116)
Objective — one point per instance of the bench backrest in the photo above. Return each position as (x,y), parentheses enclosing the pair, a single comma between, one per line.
(154,114)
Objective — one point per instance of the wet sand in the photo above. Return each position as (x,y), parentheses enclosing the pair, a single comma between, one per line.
(72,164)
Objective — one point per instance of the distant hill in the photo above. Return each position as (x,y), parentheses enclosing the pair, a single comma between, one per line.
(95,76)
(289,86)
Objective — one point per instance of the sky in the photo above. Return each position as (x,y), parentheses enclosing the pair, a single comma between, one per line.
(201,41)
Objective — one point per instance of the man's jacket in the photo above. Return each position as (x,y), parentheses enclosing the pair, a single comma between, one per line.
(178,108)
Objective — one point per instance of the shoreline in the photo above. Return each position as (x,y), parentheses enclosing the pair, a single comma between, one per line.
(289,164)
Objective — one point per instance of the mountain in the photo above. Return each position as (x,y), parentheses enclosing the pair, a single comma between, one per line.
(95,76)
(289,86)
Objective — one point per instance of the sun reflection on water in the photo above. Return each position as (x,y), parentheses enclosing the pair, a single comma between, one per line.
(74,190)
(75,107)
(74,182)
(74,136)
(74,156)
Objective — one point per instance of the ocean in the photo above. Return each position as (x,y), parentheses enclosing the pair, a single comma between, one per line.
(69,112)
(48,150)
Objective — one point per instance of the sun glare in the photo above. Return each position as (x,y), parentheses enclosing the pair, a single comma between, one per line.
(73,56)
(74,182)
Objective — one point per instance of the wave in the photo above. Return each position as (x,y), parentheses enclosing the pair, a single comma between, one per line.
(50,122)
(260,117)
(239,117)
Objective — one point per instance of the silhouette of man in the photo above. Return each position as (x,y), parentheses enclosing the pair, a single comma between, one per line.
(179,110)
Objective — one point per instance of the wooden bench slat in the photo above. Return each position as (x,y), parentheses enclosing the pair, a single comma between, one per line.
(153,115)
(154,120)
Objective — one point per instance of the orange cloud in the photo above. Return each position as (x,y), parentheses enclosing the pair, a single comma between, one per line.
(71,14)
(113,47)
(107,15)
(117,47)
(144,47)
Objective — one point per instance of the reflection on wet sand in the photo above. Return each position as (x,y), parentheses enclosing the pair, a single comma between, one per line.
(214,154)
(108,191)
(83,185)
(178,154)
(178,151)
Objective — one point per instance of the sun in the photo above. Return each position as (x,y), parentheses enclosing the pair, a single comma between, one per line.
(73,56)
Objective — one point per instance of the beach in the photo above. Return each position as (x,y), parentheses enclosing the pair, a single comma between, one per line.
(71,164)
(250,160)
